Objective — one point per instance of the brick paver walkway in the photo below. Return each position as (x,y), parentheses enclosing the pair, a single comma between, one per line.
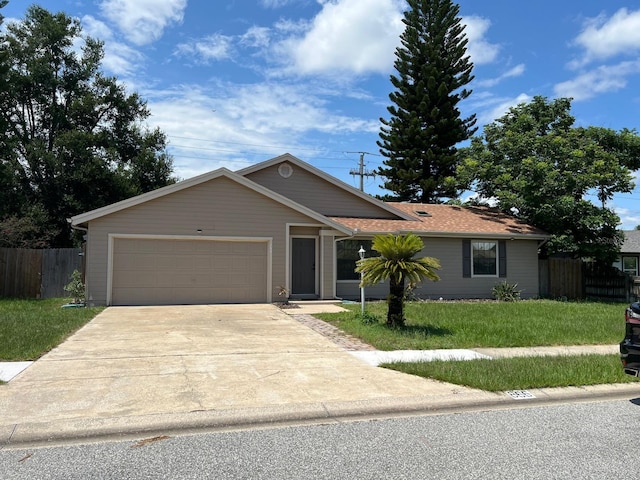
(336,335)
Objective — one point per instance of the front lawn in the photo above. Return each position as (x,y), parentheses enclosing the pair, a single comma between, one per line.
(469,324)
(30,328)
(527,323)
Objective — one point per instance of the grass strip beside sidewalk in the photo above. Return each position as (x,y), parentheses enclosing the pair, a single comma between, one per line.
(522,373)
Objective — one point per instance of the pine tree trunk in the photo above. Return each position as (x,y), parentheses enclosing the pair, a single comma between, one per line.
(395,313)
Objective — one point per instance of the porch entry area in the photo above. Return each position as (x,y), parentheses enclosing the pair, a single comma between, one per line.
(304,271)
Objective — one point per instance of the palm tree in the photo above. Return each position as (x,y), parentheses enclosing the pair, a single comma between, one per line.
(397,264)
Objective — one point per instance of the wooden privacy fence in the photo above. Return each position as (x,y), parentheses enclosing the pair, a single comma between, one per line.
(560,278)
(608,284)
(574,279)
(32,273)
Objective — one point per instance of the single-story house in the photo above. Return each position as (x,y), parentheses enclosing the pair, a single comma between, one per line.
(629,253)
(285,228)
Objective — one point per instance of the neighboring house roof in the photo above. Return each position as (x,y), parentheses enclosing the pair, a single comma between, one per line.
(445,220)
(631,242)
(83,218)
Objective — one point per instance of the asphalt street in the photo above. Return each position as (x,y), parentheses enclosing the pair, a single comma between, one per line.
(580,440)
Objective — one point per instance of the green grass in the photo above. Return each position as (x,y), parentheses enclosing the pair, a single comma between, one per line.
(530,323)
(522,373)
(527,323)
(30,328)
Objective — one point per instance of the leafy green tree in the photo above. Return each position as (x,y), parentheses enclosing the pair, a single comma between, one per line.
(420,137)
(538,166)
(396,264)
(71,138)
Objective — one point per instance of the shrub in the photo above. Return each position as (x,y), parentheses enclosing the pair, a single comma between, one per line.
(506,292)
(75,287)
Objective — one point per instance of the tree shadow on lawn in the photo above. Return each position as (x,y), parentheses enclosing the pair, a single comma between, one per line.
(422,331)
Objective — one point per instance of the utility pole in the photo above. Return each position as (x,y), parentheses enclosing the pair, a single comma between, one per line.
(361,172)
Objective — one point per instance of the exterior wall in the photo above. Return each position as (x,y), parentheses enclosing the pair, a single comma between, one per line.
(328,263)
(317,194)
(522,268)
(218,208)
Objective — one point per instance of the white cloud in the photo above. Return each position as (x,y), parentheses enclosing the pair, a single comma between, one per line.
(361,36)
(476,197)
(516,71)
(605,38)
(6,21)
(119,59)
(143,21)
(490,108)
(629,219)
(357,36)
(607,78)
(257,37)
(478,48)
(213,47)
(275,3)
(272,108)
(95,28)
(205,126)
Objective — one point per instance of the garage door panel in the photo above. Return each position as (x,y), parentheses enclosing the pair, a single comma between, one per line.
(161,272)
(194,280)
(134,279)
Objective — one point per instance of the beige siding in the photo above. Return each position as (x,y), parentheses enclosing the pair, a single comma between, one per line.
(328,263)
(321,196)
(522,268)
(218,208)
(303,231)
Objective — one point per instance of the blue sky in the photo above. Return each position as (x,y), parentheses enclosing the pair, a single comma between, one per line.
(238,82)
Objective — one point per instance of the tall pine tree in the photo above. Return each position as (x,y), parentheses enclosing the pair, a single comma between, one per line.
(420,138)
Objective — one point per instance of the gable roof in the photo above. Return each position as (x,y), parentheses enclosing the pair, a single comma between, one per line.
(287,157)
(435,220)
(446,220)
(83,218)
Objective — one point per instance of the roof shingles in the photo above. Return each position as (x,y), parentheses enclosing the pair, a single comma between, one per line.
(444,219)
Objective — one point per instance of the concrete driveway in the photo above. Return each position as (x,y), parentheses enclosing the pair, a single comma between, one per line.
(137,364)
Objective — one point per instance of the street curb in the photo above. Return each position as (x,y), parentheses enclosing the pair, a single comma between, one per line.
(83,430)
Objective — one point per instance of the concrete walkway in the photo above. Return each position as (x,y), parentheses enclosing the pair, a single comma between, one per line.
(135,371)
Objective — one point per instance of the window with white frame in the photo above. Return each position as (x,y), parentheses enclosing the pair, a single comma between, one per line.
(484,258)
(630,265)
(627,265)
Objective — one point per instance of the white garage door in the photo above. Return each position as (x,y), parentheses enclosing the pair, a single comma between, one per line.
(175,272)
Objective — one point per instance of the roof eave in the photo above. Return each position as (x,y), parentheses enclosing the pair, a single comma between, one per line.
(83,219)
(488,235)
